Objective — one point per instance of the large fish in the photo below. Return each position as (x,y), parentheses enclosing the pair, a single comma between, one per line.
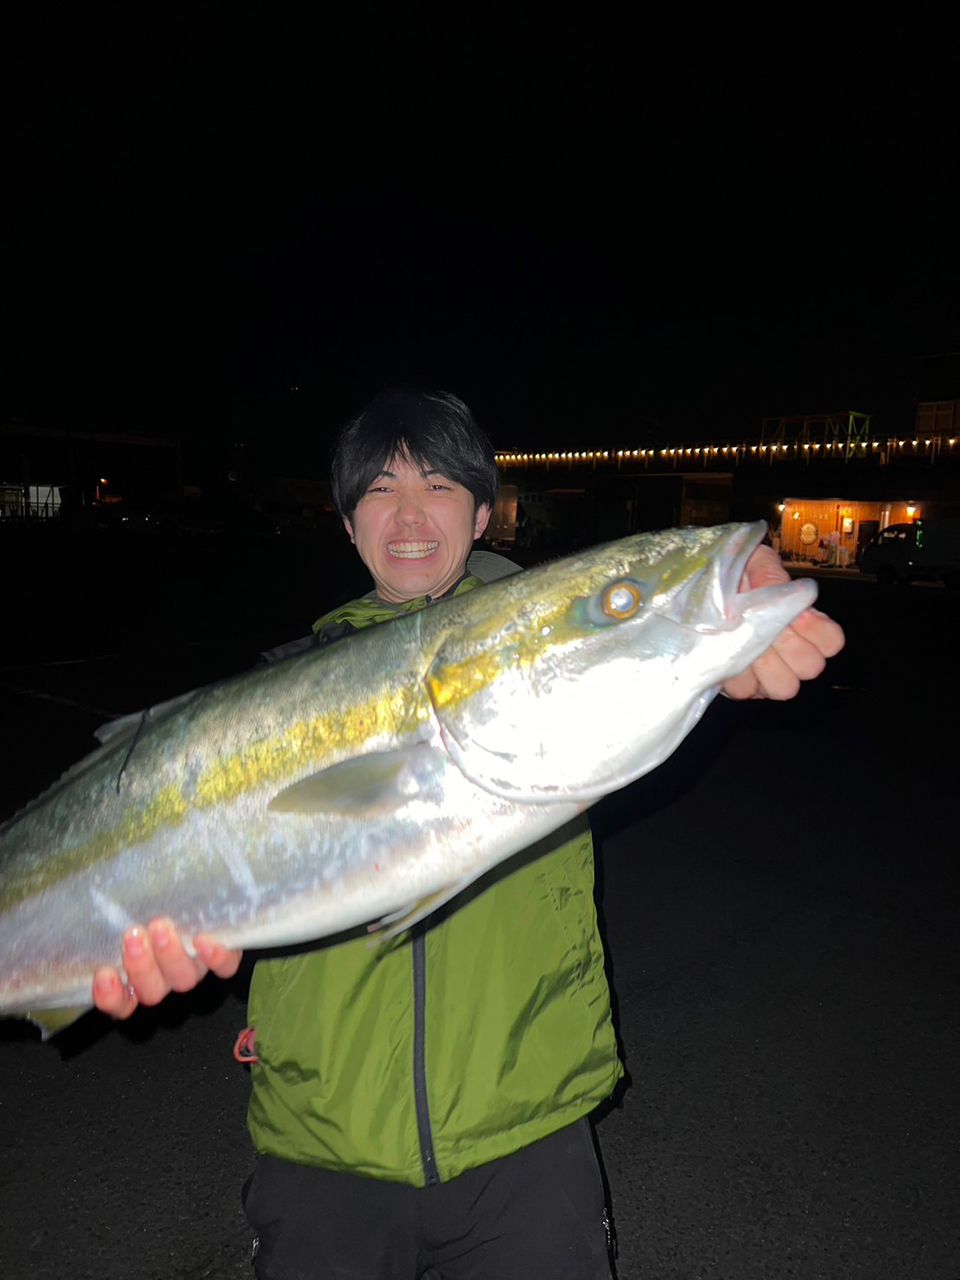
(374,779)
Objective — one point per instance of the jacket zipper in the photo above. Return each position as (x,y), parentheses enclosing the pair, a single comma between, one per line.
(427,1157)
(419,949)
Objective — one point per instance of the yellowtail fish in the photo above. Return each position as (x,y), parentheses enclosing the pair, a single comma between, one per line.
(373,779)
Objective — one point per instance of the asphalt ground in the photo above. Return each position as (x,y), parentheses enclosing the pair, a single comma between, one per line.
(779,901)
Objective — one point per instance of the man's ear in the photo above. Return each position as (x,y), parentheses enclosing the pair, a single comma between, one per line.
(481,519)
(349,528)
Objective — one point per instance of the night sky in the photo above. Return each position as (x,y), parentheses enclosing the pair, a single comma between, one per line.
(595,230)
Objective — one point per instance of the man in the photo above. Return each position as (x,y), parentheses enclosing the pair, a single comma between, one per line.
(422,1108)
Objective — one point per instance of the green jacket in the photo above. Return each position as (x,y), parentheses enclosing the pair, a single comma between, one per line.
(482,1030)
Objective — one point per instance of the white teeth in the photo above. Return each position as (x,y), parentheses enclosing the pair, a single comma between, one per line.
(412,550)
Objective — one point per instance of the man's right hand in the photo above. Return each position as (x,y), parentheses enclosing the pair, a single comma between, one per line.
(156,964)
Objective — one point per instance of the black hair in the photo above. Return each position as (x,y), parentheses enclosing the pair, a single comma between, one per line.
(433,429)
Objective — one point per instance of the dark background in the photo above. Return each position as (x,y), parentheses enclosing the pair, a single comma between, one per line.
(588,224)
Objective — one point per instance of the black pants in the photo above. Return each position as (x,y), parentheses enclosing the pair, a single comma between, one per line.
(537,1213)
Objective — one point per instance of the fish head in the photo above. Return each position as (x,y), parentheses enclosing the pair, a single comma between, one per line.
(569,681)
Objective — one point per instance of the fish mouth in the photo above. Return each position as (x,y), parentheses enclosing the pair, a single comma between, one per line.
(412,550)
(712,599)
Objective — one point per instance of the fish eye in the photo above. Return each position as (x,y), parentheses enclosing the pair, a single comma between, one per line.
(621,600)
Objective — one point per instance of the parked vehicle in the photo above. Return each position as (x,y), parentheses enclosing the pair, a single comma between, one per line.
(926,550)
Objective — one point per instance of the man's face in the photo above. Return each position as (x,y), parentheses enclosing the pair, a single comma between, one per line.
(414,530)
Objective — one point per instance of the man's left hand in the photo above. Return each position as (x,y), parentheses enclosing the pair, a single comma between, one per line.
(800,652)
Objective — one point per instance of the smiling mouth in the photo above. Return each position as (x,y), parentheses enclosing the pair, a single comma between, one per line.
(412,550)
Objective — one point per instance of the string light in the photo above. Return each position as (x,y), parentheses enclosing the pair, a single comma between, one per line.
(705,452)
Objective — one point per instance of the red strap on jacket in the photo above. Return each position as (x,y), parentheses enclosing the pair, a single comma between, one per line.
(243,1050)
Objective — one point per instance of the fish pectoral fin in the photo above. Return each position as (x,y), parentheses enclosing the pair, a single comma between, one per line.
(368,786)
(50,1021)
(398,922)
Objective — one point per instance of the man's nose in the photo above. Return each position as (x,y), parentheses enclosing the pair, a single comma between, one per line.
(409,510)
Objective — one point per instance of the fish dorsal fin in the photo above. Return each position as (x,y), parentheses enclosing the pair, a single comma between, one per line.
(114,731)
(112,734)
(123,727)
(372,785)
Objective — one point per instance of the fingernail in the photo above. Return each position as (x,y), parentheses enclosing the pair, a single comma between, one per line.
(203,948)
(134,943)
(160,936)
(105,981)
